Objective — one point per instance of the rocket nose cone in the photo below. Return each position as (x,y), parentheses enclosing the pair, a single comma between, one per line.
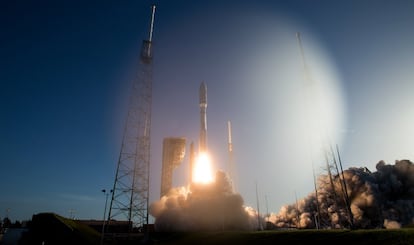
(203,93)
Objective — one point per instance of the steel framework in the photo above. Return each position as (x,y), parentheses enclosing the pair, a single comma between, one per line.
(130,196)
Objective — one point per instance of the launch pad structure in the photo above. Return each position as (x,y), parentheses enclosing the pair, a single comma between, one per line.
(173,151)
(130,192)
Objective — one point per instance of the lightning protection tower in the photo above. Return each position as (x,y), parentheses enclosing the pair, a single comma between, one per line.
(130,196)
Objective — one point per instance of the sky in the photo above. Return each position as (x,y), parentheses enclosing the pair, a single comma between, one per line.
(67,68)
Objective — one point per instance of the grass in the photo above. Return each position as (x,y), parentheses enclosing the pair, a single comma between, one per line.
(334,237)
(50,228)
(86,233)
(66,231)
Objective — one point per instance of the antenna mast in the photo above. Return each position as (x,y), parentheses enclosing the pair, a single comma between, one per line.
(258,210)
(305,65)
(130,196)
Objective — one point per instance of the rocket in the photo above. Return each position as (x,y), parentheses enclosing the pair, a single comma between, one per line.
(202,146)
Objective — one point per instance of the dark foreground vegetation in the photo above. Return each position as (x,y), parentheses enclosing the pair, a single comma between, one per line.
(53,229)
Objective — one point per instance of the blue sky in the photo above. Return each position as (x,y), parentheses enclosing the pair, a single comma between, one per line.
(67,67)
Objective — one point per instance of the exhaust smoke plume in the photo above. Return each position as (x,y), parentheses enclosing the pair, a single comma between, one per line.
(212,206)
(381,199)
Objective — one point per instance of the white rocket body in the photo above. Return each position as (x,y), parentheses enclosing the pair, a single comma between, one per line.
(202,147)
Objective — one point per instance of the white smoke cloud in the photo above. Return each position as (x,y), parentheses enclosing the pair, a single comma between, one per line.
(204,207)
(381,199)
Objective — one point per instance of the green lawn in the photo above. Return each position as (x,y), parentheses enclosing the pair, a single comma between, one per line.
(58,230)
(291,237)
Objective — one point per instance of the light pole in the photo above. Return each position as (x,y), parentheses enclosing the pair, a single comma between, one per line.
(104,215)
(71,214)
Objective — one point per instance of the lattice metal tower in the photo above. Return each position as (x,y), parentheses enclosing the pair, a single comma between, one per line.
(130,196)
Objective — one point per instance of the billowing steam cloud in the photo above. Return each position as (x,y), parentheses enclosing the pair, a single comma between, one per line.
(384,198)
(203,207)
(381,199)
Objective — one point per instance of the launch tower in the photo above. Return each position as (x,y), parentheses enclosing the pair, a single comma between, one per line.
(130,196)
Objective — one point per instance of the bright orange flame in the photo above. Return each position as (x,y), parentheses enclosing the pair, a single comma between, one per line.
(202,171)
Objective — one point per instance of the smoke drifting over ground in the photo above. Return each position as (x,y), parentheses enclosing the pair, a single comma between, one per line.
(380,199)
(203,207)
(384,198)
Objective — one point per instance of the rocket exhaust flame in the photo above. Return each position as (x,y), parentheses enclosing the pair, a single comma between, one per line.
(202,171)
(209,202)
(204,207)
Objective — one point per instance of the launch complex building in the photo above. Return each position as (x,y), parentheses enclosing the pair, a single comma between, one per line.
(173,151)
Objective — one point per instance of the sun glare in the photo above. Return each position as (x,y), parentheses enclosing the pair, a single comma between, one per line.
(202,171)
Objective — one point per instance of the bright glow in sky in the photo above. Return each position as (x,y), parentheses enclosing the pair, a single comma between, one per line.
(67,67)
(203,169)
(292,118)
